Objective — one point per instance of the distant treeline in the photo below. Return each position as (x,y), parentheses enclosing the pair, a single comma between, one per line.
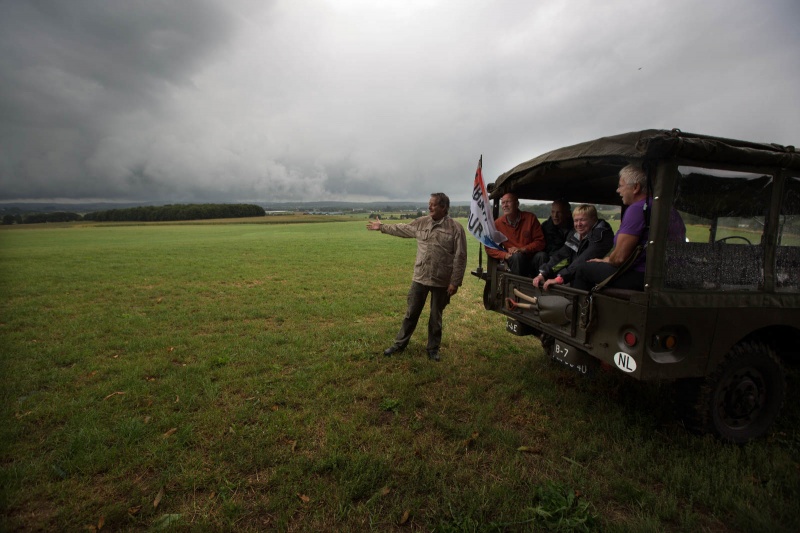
(144,214)
(176,212)
(39,218)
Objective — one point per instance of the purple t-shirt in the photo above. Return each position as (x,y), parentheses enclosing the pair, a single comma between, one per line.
(633,223)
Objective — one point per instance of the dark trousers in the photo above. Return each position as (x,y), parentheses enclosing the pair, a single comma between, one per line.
(527,265)
(520,264)
(590,274)
(417,295)
(539,258)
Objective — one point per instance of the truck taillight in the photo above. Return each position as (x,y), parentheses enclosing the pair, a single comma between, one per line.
(664,341)
(630,339)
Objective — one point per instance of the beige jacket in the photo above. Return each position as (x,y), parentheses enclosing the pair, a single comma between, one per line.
(441,249)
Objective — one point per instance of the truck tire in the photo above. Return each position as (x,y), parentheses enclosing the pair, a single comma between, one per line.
(742,398)
(488,302)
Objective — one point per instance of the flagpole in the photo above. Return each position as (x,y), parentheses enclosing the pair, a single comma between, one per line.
(481,221)
(480,246)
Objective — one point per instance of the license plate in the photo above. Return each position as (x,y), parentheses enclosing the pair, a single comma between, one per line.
(518,328)
(571,357)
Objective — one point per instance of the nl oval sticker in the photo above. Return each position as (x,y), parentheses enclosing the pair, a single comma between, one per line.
(624,362)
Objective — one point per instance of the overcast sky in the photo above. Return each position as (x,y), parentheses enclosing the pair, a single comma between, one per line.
(287,100)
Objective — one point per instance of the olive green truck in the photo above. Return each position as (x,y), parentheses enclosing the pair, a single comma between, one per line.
(720,309)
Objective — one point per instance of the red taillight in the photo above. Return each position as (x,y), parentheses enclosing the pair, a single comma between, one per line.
(630,339)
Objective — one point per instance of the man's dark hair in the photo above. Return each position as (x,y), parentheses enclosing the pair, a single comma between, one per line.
(442,200)
(563,203)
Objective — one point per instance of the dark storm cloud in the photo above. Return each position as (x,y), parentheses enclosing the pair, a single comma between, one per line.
(74,72)
(243,100)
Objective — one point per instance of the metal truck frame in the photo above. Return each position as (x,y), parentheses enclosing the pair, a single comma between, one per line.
(720,313)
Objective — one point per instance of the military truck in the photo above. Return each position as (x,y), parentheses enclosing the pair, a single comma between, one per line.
(720,310)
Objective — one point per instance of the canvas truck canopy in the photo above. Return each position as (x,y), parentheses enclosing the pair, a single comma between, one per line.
(588,172)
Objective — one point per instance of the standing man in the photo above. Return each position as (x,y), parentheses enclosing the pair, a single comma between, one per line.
(439,269)
(524,233)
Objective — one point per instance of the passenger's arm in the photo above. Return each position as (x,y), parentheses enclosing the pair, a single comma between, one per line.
(558,280)
(497,254)
(626,244)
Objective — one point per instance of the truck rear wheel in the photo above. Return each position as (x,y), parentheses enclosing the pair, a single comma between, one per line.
(488,304)
(741,399)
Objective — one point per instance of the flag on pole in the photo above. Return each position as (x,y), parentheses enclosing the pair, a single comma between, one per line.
(481,224)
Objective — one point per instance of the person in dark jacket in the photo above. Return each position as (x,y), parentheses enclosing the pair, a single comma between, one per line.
(558,227)
(556,230)
(591,239)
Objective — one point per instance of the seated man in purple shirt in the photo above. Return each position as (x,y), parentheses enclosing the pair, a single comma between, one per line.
(632,232)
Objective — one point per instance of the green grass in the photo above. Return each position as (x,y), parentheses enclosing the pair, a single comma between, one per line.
(233,374)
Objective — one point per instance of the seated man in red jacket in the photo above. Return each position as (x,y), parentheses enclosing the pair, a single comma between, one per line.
(524,233)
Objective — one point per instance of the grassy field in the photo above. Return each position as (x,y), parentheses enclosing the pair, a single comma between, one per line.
(229,376)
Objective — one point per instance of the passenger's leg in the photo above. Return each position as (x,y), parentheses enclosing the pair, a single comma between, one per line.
(539,258)
(631,280)
(589,274)
(521,264)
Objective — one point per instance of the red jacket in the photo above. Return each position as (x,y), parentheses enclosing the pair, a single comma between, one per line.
(527,235)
